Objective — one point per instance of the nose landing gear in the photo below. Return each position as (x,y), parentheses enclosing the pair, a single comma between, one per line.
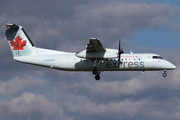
(164,74)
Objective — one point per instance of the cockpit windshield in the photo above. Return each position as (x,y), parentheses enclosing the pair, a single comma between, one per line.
(157,57)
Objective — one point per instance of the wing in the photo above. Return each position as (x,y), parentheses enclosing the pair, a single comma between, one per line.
(94,46)
(95,50)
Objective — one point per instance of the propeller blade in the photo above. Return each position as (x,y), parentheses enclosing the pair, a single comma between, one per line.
(120,51)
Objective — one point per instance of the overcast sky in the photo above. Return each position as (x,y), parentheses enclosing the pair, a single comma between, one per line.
(35,93)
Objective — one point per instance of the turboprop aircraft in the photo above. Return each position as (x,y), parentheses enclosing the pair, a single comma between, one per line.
(94,58)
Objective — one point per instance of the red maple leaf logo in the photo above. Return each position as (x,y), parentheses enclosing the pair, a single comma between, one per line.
(18,44)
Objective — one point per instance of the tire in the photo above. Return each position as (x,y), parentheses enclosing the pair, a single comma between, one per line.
(97,77)
(94,71)
(164,74)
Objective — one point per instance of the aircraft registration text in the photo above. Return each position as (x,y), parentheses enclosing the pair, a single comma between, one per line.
(49,60)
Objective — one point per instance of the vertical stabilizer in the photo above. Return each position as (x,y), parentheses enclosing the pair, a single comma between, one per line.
(19,42)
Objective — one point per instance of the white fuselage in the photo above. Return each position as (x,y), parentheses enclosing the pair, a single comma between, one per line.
(70,62)
(94,58)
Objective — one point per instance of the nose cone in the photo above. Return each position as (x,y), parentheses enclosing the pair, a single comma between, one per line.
(173,67)
(169,66)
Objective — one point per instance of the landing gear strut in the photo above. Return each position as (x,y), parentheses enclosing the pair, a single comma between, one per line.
(95,71)
(164,74)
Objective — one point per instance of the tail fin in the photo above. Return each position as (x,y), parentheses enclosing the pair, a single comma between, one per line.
(19,42)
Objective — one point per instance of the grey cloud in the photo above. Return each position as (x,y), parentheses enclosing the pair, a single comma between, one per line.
(18,85)
(126,110)
(172,55)
(29,106)
(109,22)
(114,20)
(67,25)
(119,99)
(175,82)
(136,85)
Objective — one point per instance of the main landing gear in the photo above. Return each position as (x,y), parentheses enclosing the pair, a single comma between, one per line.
(95,71)
(164,74)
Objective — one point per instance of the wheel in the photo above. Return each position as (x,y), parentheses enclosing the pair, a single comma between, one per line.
(94,71)
(97,77)
(164,74)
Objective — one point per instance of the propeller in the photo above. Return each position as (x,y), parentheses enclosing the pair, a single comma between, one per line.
(120,51)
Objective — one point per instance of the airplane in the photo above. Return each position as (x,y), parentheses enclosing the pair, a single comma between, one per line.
(94,58)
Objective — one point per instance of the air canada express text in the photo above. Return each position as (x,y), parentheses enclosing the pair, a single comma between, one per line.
(115,64)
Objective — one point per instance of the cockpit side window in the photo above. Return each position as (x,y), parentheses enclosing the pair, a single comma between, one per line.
(157,57)
(160,57)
